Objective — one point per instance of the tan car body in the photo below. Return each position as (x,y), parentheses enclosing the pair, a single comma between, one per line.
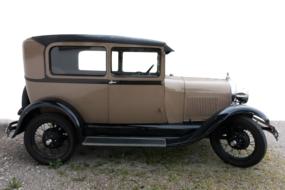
(119,96)
(168,100)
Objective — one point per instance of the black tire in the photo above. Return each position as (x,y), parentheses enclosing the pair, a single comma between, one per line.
(232,131)
(59,126)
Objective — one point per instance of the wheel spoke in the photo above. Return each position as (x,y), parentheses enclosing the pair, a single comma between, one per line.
(239,154)
(240,136)
(59,145)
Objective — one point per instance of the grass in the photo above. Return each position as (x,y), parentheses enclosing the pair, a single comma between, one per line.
(62,173)
(79,166)
(192,167)
(78,179)
(55,164)
(14,183)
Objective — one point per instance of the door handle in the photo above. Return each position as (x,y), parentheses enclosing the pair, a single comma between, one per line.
(112,82)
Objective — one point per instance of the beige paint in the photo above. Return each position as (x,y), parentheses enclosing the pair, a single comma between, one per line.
(195,99)
(174,99)
(33,59)
(204,97)
(90,100)
(136,104)
(177,100)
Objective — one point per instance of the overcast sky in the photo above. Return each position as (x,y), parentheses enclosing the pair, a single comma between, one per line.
(210,38)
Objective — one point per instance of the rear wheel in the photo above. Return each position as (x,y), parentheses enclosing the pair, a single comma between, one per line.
(49,137)
(240,142)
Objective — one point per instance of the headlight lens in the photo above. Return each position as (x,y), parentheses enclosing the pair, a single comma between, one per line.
(240,98)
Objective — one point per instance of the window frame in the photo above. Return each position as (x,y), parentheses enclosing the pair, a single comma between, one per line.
(83,47)
(138,49)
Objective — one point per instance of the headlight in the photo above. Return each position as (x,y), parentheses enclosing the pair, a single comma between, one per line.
(238,94)
(240,98)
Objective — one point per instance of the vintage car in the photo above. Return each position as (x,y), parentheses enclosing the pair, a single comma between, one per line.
(97,90)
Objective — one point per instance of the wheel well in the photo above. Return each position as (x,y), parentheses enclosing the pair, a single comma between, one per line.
(39,111)
(228,119)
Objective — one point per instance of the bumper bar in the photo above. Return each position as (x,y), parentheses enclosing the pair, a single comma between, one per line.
(11,127)
(272,130)
(265,125)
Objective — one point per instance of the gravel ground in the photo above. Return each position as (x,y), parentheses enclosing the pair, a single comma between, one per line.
(191,167)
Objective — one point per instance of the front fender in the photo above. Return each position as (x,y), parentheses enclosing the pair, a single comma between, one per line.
(241,110)
(217,120)
(234,110)
(57,105)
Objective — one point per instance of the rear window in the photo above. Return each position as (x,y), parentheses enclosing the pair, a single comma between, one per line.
(72,60)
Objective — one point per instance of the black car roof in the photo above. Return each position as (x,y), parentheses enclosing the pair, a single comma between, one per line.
(47,39)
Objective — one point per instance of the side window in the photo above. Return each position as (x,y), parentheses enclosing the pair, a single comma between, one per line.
(136,62)
(88,58)
(78,60)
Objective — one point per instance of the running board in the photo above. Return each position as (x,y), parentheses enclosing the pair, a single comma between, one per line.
(148,126)
(125,141)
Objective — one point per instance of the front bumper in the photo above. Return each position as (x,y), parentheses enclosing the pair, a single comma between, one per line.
(265,125)
(270,128)
(11,128)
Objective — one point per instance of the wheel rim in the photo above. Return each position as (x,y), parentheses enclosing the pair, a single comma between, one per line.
(51,140)
(238,143)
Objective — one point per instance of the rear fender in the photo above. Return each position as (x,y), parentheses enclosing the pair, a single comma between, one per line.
(56,105)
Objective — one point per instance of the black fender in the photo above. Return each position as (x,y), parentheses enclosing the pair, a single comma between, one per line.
(25,98)
(58,105)
(217,120)
(231,111)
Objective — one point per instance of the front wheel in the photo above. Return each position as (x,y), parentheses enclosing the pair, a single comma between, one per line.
(240,142)
(49,137)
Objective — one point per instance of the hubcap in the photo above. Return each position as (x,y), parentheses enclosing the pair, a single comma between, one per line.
(48,142)
(233,143)
(240,141)
(52,138)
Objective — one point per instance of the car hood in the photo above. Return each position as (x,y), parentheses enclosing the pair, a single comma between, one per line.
(207,86)
(203,97)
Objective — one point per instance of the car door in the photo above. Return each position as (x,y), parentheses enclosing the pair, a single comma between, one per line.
(136,89)
(77,74)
